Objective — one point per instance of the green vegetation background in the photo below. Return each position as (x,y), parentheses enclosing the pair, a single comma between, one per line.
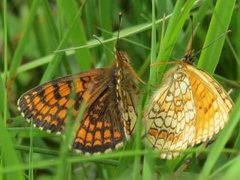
(151,31)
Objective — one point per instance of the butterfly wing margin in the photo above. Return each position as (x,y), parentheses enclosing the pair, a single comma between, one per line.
(171,116)
(47,105)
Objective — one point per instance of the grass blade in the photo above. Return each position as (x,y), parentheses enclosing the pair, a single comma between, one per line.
(221,141)
(219,25)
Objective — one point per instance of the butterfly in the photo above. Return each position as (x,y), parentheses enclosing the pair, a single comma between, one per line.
(110,114)
(189,108)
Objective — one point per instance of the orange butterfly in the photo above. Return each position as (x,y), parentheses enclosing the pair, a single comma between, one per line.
(110,115)
(189,108)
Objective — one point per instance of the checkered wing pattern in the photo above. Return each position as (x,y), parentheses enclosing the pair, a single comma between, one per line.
(171,115)
(188,109)
(47,105)
(110,114)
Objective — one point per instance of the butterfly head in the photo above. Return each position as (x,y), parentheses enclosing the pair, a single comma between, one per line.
(189,58)
(121,57)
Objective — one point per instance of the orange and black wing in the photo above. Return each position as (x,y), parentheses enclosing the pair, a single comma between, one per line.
(47,105)
(102,128)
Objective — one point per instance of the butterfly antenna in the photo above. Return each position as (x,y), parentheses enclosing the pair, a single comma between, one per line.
(97,38)
(205,47)
(119,26)
(118,35)
(188,57)
(190,43)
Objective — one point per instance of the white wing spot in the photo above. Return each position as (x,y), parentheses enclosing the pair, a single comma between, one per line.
(169,97)
(159,122)
(177,92)
(168,121)
(183,87)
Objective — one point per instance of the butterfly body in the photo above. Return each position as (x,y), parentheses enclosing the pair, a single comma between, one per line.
(109,116)
(189,108)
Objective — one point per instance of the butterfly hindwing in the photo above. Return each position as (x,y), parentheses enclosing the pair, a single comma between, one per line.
(102,127)
(110,119)
(171,115)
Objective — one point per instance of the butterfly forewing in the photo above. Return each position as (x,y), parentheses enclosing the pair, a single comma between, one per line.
(212,103)
(110,114)
(47,104)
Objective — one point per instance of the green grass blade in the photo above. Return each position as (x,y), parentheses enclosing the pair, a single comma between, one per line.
(138,141)
(221,141)
(77,35)
(53,65)
(4,88)
(50,20)
(106,24)
(153,45)
(147,173)
(8,153)
(219,25)
(2,95)
(180,14)
(17,57)
(233,170)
